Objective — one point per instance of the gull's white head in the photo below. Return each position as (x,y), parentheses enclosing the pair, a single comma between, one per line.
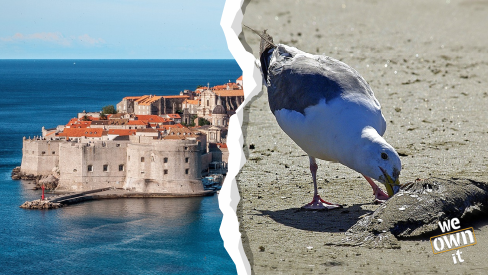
(379,160)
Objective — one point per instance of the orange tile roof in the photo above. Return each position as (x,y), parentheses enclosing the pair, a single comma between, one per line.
(174,116)
(192,102)
(166,127)
(226,86)
(222,145)
(75,123)
(151,118)
(77,132)
(137,122)
(229,92)
(220,87)
(176,96)
(174,137)
(132,97)
(117,116)
(121,132)
(148,99)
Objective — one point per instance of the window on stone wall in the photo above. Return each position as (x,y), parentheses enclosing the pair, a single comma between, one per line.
(142,159)
(90,168)
(54,152)
(186,171)
(43,152)
(187,160)
(165,160)
(165,172)
(105,168)
(152,158)
(121,167)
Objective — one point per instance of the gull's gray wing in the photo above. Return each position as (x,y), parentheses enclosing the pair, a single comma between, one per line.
(297,80)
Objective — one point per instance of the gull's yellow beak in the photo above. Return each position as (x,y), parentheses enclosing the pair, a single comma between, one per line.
(392,185)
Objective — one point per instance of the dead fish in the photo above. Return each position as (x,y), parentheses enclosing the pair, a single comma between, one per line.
(417,210)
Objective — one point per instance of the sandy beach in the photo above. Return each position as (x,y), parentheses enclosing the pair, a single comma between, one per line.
(427,62)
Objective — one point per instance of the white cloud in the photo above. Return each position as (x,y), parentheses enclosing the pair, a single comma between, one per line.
(86,39)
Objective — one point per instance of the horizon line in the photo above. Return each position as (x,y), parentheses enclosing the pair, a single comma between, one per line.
(117,59)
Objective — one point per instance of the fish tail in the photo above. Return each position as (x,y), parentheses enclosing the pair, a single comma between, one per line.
(266,48)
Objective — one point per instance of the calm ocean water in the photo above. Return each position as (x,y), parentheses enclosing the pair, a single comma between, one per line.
(129,236)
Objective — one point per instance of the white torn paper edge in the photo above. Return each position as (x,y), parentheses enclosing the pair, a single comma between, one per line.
(229,197)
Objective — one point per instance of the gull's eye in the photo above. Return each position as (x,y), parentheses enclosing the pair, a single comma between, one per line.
(384,156)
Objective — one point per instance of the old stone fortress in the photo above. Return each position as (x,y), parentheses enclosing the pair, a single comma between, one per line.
(153,144)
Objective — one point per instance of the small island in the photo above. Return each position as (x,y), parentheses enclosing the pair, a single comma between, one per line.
(149,145)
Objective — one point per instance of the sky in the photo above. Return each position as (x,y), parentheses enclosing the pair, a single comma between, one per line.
(112,29)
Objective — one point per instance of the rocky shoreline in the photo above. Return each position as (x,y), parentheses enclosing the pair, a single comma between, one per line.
(41,204)
(50,181)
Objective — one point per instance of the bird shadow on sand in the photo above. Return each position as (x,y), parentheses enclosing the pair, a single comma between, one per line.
(337,220)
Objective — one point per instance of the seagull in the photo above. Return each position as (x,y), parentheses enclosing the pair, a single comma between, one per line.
(331,113)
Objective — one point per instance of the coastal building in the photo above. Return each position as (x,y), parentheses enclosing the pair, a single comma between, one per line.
(171,104)
(85,114)
(127,104)
(239,82)
(144,147)
(230,100)
(136,162)
(191,106)
(220,116)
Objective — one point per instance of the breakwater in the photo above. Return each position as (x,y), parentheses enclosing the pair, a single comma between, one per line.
(62,200)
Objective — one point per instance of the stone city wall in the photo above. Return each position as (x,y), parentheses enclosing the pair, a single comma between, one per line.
(40,157)
(164,166)
(141,163)
(87,166)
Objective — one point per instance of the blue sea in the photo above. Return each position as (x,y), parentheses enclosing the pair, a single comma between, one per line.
(123,236)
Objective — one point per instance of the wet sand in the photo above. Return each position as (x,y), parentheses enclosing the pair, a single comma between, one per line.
(427,62)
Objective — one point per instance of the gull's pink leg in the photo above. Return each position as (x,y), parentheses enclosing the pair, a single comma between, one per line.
(380,196)
(317,203)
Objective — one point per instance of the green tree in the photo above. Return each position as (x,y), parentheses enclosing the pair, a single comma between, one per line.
(103,116)
(202,121)
(108,110)
(192,120)
(85,118)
